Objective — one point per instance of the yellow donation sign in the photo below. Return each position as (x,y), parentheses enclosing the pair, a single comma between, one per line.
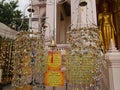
(54,60)
(54,78)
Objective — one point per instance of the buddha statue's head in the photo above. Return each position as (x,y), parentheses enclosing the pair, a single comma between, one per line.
(105,6)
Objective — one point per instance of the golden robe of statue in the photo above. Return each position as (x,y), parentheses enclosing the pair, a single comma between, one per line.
(106,26)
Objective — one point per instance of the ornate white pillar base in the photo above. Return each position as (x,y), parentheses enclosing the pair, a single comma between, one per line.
(113,56)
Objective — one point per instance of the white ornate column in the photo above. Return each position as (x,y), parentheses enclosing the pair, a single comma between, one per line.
(39,11)
(50,14)
(113,56)
(83,15)
(50,19)
(74,13)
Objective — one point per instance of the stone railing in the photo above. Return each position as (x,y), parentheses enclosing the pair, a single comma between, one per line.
(38,2)
(62,48)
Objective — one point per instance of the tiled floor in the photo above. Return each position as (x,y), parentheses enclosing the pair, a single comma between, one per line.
(9,87)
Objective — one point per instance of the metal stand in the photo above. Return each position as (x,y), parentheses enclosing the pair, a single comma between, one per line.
(54,87)
(66,86)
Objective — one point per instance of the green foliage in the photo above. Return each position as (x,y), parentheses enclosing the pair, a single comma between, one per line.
(9,13)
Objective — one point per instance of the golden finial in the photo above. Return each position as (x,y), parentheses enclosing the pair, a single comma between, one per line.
(53,44)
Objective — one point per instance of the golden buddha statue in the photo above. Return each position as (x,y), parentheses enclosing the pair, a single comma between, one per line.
(106,26)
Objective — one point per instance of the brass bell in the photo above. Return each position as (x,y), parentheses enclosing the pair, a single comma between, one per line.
(83,3)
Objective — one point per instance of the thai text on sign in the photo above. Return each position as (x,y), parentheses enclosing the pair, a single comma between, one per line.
(54,78)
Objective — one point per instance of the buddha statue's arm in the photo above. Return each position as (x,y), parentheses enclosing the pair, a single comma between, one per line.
(100,24)
(112,23)
(100,21)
